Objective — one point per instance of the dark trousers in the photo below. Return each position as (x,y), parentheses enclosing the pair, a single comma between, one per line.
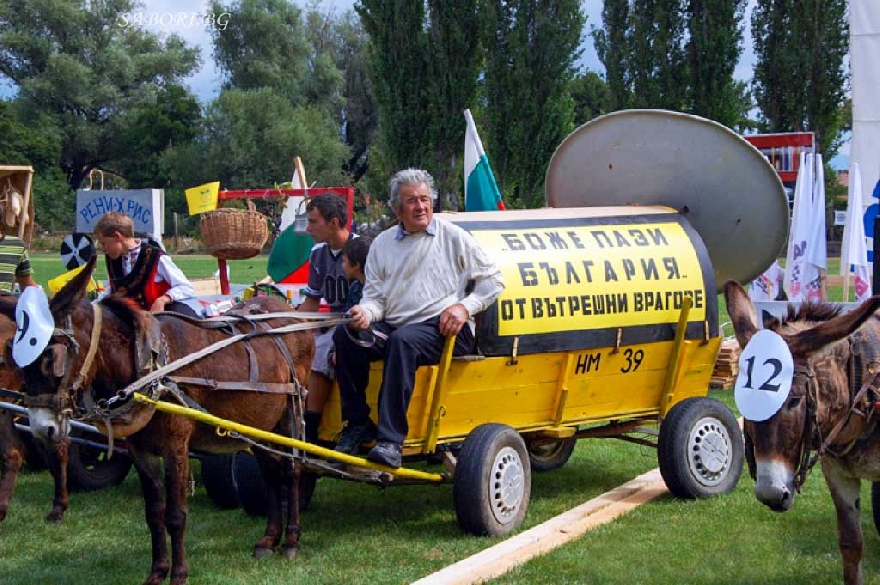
(407,348)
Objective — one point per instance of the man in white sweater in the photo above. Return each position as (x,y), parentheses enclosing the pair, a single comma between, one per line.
(416,293)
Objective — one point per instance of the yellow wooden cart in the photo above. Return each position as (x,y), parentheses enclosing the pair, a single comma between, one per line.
(608,326)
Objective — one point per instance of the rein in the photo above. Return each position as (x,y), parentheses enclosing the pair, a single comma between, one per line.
(155,376)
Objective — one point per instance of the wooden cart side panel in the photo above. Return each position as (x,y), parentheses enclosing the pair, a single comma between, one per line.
(602,385)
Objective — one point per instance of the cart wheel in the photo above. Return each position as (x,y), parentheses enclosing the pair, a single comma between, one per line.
(252,490)
(492,483)
(700,449)
(89,468)
(547,455)
(875,504)
(218,480)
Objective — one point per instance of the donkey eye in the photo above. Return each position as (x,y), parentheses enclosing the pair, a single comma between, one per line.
(793,402)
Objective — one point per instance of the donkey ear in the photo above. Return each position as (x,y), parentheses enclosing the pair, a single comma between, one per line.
(74,291)
(830,331)
(742,312)
(769,319)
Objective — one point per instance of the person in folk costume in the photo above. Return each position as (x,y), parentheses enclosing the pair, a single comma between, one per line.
(140,269)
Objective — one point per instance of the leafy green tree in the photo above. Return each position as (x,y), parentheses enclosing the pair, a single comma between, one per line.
(591,95)
(80,69)
(612,47)
(658,67)
(341,41)
(264,45)
(800,77)
(424,63)
(247,140)
(531,51)
(714,46)
(172,120)
(29,144)
(398,69)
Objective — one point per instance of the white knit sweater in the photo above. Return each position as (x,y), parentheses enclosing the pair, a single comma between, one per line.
(415,278)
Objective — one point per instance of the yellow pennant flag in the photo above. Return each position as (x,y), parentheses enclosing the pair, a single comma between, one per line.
(202,198)
(59,281)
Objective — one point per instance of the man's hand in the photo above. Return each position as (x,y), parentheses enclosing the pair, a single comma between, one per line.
(159,304)
(452,319)
(359,319)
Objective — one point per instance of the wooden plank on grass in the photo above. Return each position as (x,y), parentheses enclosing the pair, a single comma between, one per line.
(501,558)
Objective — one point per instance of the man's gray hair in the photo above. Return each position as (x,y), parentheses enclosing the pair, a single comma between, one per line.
(410,177)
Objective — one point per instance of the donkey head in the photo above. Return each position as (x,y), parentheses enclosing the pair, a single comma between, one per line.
(778,448)
(47,379)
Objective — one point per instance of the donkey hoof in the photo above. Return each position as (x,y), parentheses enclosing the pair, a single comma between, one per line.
(54,517)
(261,552)
(290,552)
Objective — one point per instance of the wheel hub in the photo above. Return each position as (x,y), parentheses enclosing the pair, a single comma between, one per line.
(506,485)
(709,451)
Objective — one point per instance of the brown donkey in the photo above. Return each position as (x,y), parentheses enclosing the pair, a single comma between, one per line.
(253,382)
(828,415)
(12,448)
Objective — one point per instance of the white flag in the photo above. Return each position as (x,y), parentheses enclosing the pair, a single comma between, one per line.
(854,253)
(801,275)
(292,205)
(768,285)
(817,252)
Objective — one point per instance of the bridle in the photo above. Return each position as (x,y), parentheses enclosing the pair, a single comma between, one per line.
(63,342)
(812,434)
(806,462)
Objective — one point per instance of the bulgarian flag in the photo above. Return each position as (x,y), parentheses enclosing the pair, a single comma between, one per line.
(480,189)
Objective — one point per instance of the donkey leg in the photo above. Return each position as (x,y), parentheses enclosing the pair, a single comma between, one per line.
(845,494)
(177,509)
(270,469)
(10,460)
(58,468)
(291,485)
(149,471)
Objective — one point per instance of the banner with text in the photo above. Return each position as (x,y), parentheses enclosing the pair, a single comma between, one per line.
(594,277)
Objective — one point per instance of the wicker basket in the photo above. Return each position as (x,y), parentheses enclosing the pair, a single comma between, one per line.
(234,234)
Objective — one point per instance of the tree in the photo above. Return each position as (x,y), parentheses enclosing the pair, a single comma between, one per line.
(591,95)
(263,45)
(531,52)
(612,47)
(424,64)
(81,70)
(247,140)
(713,50)
(173,120)
(342,42)
(657,66)
(33,145)
(800,79)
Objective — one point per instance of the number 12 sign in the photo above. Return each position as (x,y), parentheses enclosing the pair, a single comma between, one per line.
(766,370)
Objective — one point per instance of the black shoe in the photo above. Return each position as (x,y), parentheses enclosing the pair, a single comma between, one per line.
(353,435)
(386,453)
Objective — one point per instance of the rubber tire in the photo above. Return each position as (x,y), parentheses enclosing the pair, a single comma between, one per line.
(89,469)
(218,480)
(252,493)
(682,433)
(472,488)
(548,456)
(875,504)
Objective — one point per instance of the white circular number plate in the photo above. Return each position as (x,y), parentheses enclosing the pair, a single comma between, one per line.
(34,325)
(766,370)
